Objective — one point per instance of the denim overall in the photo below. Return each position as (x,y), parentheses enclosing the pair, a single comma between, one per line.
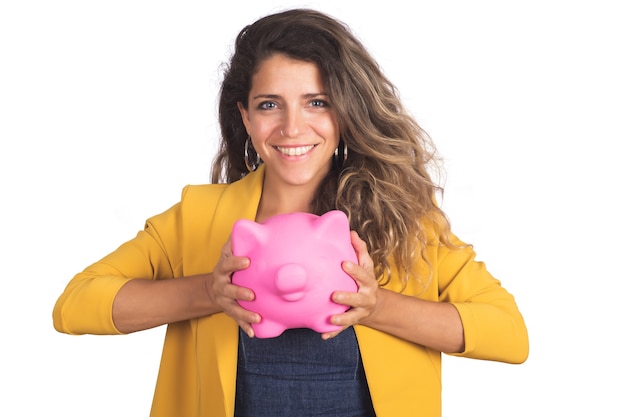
(298,374)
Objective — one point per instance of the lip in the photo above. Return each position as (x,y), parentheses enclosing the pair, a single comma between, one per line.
(294,150)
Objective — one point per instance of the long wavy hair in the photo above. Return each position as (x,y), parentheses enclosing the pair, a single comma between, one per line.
(385,184)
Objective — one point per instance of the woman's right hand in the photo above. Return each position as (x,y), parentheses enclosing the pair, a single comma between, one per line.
(225,294)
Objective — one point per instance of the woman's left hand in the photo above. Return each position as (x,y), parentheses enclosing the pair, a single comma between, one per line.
(364,302)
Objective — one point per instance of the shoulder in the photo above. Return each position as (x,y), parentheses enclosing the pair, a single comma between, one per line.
(202,193)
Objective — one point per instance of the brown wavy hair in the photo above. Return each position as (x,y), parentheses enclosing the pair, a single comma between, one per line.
(385,184)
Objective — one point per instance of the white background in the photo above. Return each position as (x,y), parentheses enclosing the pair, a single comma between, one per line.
(107,109)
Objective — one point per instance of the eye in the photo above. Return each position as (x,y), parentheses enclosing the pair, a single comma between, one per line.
(267,105)
(319,103)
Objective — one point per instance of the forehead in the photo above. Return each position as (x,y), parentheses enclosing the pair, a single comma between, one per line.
(281,72)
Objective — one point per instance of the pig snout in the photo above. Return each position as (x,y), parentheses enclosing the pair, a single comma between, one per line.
(291,281)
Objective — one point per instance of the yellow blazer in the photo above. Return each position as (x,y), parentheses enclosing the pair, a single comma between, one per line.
(199,361)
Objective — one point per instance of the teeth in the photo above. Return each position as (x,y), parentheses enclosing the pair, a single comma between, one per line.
(300,150)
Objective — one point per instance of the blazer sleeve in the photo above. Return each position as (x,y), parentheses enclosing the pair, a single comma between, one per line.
(493,325)
(86,304)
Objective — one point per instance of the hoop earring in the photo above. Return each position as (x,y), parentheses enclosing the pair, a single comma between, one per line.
(341,154)
(252,162)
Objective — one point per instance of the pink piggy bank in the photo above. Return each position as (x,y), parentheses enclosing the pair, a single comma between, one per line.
(295,266)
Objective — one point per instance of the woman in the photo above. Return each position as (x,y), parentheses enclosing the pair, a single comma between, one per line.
(309,123)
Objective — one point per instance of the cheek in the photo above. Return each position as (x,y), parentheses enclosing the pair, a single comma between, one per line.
(325,124)
(332,132)
(333,126)
(262,127)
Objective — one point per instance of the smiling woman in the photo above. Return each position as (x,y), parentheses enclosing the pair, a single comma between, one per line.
(293,129)
(309,123)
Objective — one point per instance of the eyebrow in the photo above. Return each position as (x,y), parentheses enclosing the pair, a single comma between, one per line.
(276,96)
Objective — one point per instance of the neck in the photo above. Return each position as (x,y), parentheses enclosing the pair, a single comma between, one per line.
(281,200)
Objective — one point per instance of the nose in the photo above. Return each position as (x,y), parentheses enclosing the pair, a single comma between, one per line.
(294,124)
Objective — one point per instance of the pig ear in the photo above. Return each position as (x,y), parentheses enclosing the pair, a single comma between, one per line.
(334,222)
(247,235)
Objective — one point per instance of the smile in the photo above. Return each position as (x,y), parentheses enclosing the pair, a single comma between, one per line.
(295,151)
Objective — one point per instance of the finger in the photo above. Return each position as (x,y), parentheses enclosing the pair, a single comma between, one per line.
(244,294)
(227,248)
(330,335)
(234,263)
(247,329)
(235,292)
(228,258)
(348,299)
(241,315)
(349,318)
(359,273)
(248,319)
(360,247)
